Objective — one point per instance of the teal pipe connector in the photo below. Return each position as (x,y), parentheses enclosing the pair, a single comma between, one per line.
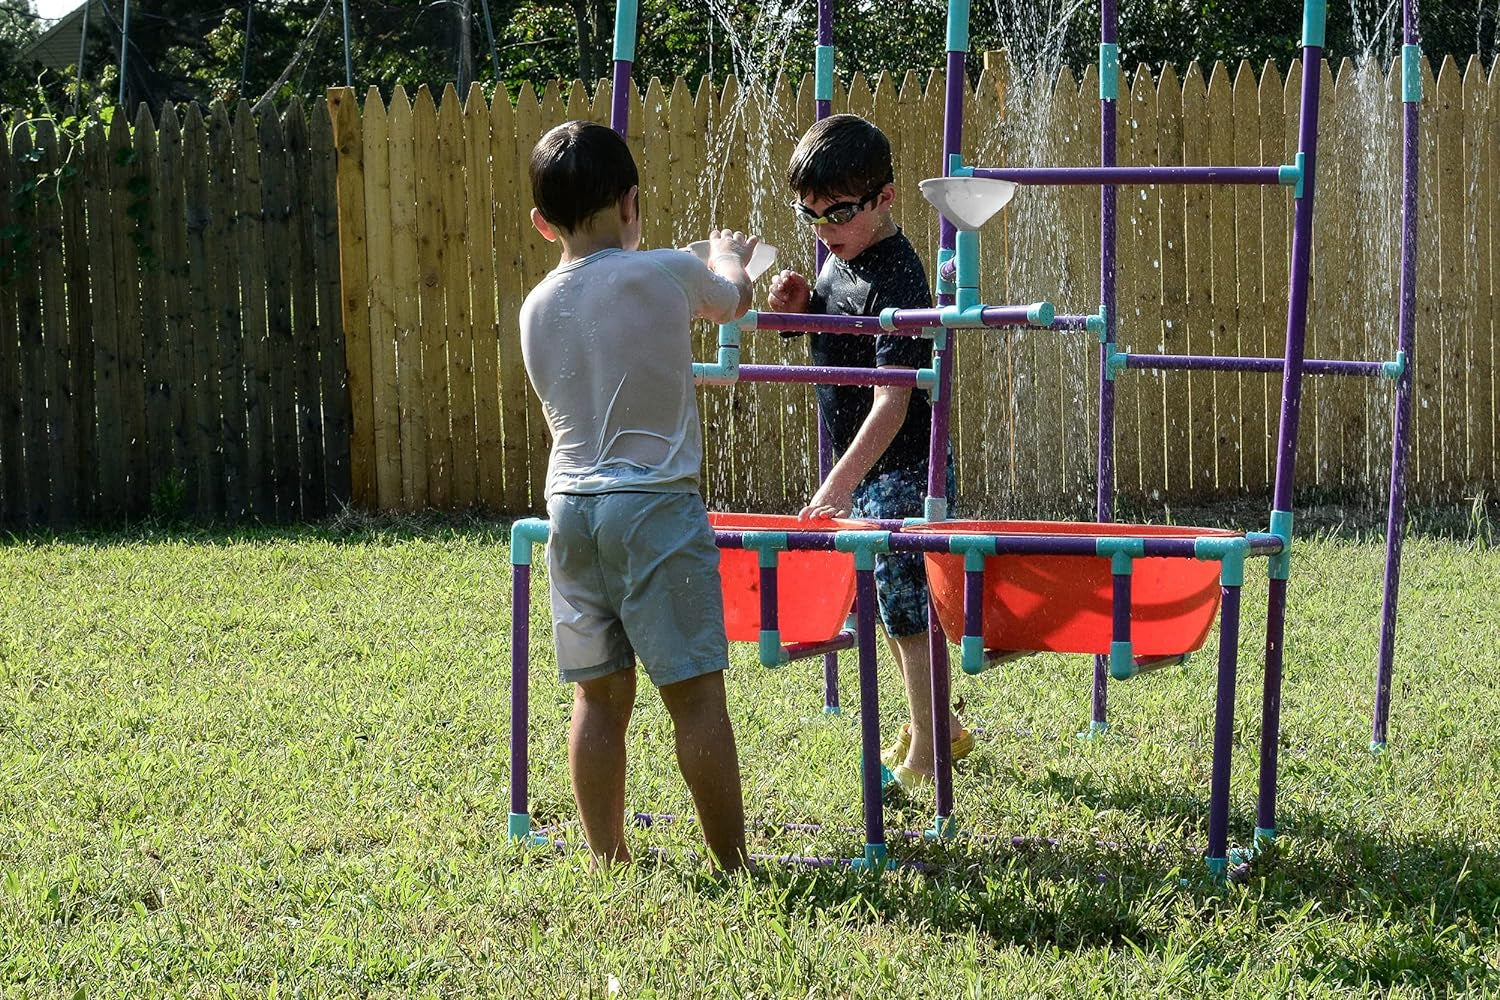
(927,378)
(1289,175)
(956,166)
(767,543)
(958,25)
(888,318)
(1116,364)
(1095,730)
(984,545)
(1231,555)
(912,522)
(518,827)
(1121,661)
(958,317)
(945,286)
(1264,837)
(1301,167)
(935,509)
(1378,748)
(727,370)
(873,861)
(771,653)
(864,545)
(625,30)
(972,648)
(1121,547)
(966,244)
(1393,370)
(1411,74)
(1279,566)
(832,710)
(1109,71)
(939,336)
(524,534)
(1314,20)
(1098,323)
(1041,313)
(749,321)
(1218,868)
(943,827)
(823,73)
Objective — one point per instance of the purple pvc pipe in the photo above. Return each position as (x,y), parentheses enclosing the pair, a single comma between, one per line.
(974,602)
(803,650)
(619,98)
(820,541)
(869,708)
(1120,608)
(1081,176)
(520,656)
(815,375)
(942,694)
(955,84)
(1270,706)
(1070,322)
(769,608)
(1218,789)
(1104,488)
(1211,362)
(1406,339)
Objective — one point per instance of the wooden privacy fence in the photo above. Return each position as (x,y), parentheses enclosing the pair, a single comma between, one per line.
(170,334)
(438,254)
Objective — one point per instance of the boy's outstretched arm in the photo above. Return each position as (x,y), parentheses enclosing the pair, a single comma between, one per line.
(728,252)
(789,293)
(836,496)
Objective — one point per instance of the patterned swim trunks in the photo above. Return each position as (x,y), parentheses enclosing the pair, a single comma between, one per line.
(900,579)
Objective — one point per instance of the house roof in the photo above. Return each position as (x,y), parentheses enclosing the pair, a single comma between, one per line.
(57,47)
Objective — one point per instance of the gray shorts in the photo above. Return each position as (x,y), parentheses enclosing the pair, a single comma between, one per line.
(635,574)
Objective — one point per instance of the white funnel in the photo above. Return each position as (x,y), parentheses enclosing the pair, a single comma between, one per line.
(761,259)
(967,202)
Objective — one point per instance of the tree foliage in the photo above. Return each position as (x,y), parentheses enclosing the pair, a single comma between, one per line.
(190,49)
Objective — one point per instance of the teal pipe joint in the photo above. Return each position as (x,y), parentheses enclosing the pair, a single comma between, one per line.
(945,286)
(864,545)
(524,534)
(767,543)
(727,370)
(1314,20)
(1218,868)
(1121,661)
(1393,370)
(1041,313)
(1230,552)
(912,522)
(1264,837)
(1098,324)
(625,30)
(1411,74)
(972,547)
(1290,175)
(1109,71)
(939,335)
(927,378)
(1121,552)
(1279,566)
(1114,364)
(771,653)
(823,73)
(518,827)
(972,647)
(956,166)
(749,321)
(873,861)
(888,318)
(1095,730)
(958,25)
(934,509)
(962,318)
(943,827)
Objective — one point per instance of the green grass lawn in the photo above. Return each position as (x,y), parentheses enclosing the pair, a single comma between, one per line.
(274,763)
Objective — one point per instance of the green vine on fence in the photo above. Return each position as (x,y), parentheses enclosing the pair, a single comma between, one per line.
(38,182)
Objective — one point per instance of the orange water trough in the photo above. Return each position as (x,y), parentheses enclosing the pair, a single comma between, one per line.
(814,590)
(1062,604)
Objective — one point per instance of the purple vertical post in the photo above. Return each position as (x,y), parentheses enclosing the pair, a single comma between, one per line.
(769,609)
(619,98)
(1286,445)
(520,654)
(824,105)
(1218,789)
(942,736)
(869,709)
(1108,202)
(1406,340)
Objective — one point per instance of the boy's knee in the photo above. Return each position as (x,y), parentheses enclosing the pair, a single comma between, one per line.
(696,695)
(612,691)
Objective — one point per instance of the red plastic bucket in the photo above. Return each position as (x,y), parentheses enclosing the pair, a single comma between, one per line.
(814,590)
(1062,604)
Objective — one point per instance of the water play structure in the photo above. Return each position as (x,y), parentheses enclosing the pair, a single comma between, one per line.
(1137,597)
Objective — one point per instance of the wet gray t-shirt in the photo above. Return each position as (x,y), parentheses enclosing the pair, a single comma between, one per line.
(607,346)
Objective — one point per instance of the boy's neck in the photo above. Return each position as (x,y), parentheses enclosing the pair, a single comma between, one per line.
(605,234)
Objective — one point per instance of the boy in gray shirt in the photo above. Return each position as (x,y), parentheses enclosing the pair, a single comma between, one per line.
(631,558)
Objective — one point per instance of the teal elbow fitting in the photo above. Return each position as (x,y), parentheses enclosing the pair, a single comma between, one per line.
(1393,370)
(1117,363)
(1279,566)
(927,378)
(972,647)
(956,166)
(1230,552)
(1121,661)
(771,653)
(749,321)
(935,509)
(524,534)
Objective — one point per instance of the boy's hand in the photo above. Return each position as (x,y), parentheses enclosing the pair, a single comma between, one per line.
(790,293)
(731,243)
(830,501)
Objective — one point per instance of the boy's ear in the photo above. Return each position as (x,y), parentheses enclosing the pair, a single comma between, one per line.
(887,196)
(630,205)
(543,226)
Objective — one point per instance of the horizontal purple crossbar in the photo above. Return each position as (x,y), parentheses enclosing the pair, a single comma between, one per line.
(802,650)
(906,322)
(1133,175)
(1214,363)
(1062,545)
(1070,322)
(812,375)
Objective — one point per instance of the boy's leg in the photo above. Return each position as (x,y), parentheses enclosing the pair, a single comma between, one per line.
(915,662)
(596,761)
(710,763)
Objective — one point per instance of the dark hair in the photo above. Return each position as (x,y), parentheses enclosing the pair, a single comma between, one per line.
(842,154)
(577,169)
